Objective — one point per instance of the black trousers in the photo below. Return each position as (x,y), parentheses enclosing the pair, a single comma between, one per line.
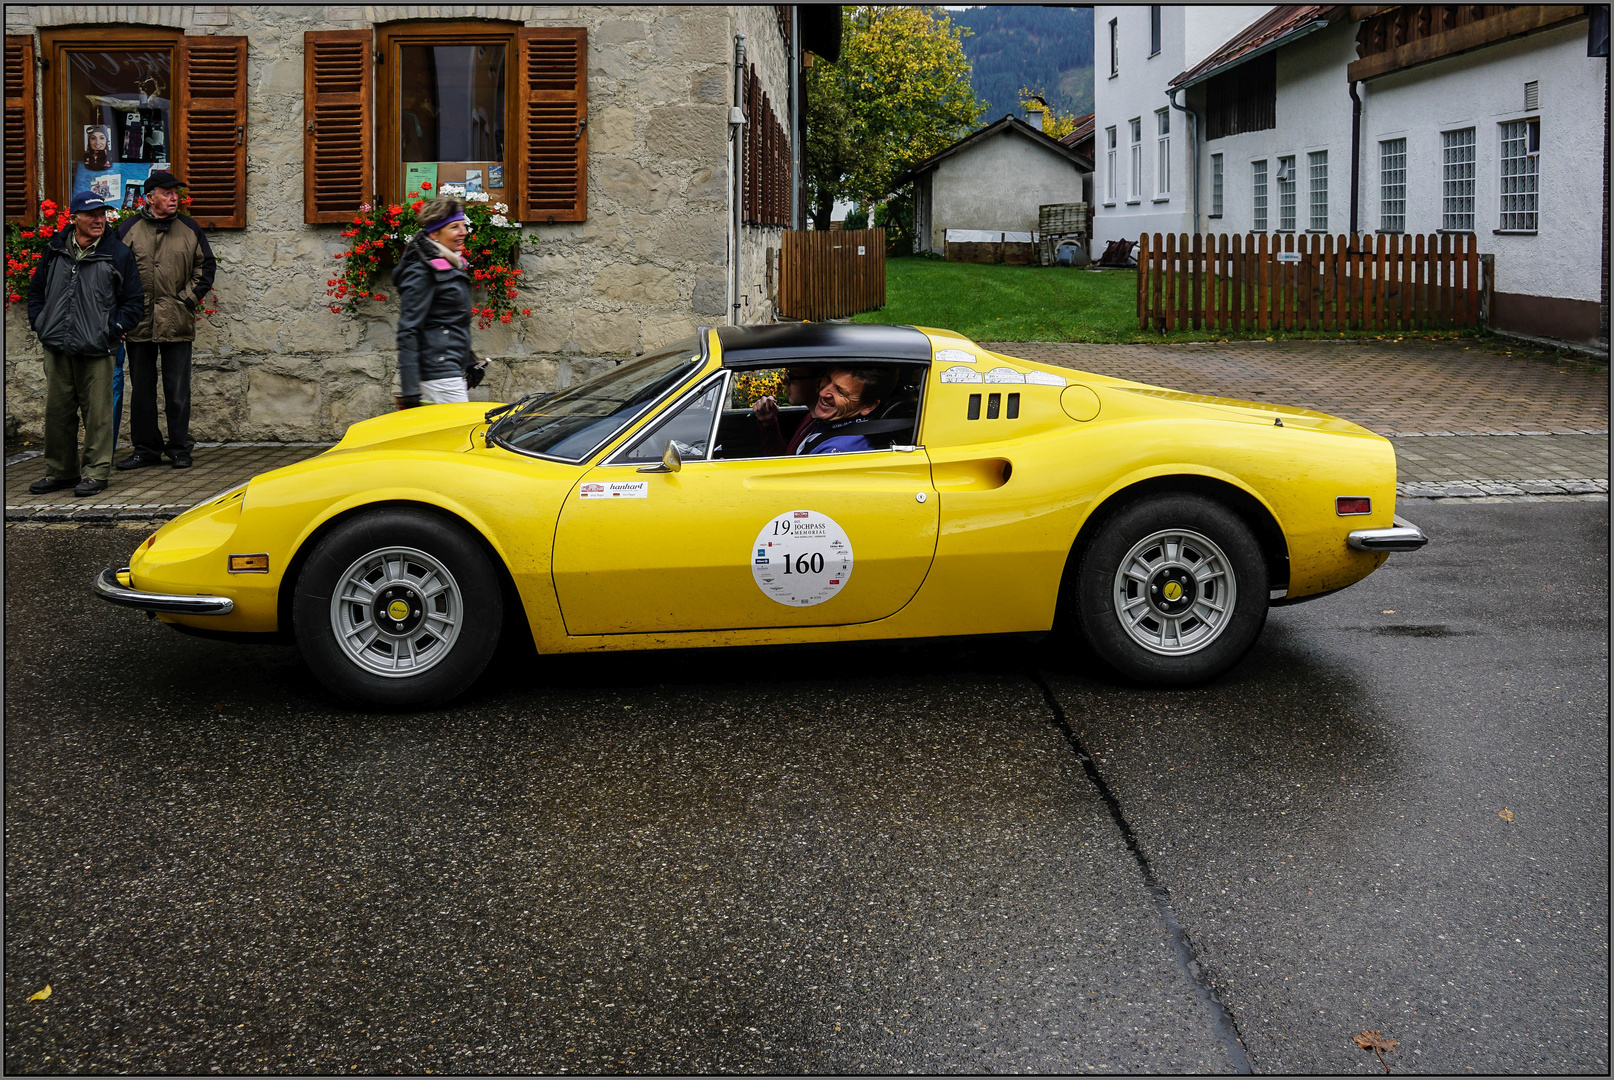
(176,365)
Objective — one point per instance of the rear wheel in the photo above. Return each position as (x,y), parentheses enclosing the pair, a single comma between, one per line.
(1172,590)
(397,608)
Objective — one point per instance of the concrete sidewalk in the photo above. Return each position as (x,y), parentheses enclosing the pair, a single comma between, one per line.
(1466,419)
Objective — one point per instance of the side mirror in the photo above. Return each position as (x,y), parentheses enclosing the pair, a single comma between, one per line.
(670,461)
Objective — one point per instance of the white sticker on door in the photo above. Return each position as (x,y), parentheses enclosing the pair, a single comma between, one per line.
(1004,375)
(801,558)
(1042,378)
(960,374)
(954,356)
(614,489)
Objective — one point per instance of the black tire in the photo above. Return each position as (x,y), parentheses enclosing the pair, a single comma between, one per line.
(427,572)
(1169,620)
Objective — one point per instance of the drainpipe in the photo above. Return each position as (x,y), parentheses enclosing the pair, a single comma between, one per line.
(1356,155)
(1193,148)
(736,162)
(795,116)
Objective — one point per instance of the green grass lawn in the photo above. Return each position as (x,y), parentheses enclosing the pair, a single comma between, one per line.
(1039,303)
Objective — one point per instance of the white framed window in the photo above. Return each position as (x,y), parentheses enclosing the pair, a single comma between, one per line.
(1154,29)
(1286,194)
(1317,171)
(1520,185)
(1115,48)
(1258,196)
(1162,153)
(1136,182)
(1109,170)
(1216,185)
(1393,185)
(1457,180)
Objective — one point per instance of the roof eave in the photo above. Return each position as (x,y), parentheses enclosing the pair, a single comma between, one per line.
(1261,50)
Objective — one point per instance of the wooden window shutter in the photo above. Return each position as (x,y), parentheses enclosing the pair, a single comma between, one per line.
(338,122)
(551,144)
(210,137)
(22,151)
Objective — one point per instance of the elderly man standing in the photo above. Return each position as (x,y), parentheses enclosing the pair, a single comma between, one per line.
(84,295)
(176,269)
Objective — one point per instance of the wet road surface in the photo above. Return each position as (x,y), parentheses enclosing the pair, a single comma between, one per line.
(882,858)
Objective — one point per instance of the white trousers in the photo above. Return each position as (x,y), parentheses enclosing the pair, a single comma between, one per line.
(443,391)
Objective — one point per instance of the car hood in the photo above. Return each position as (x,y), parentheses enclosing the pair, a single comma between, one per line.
(429,427)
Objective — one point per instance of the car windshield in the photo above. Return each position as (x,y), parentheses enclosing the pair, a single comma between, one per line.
(571,424)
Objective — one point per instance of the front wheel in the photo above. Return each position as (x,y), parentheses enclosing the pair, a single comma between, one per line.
(1173,590)
(397,608)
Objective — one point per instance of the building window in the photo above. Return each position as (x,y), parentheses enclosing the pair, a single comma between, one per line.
(121,102)
(1115,49)
(1136,182)
(1258,196)
(1317,166)
(1242,100)
(1521,175)
(1216,185)
(1162,153)
(1457,180)
(1109,172)
(1286,194)
(1154,29)
(1393,185)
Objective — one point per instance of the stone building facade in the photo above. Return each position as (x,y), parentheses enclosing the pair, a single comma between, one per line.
(660,249)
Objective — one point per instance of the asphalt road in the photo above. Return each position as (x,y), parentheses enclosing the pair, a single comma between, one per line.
(839,859)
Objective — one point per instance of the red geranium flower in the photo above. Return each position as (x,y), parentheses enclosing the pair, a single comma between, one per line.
(425,185)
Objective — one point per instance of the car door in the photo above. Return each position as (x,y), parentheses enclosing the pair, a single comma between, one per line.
(814,540)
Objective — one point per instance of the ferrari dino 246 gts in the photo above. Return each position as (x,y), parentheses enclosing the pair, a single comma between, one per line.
(657,506)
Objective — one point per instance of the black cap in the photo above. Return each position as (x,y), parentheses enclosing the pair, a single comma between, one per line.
(161,178)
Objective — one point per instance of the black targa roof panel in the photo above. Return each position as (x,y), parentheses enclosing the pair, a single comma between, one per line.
(744,345)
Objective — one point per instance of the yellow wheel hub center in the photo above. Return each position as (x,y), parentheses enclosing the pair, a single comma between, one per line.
(1172,591)
(399,610)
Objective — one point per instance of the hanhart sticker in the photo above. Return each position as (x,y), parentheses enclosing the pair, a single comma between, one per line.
(801,558)
(614,489)
(954,356)
(960,375)
(1004,375)
(1042,378)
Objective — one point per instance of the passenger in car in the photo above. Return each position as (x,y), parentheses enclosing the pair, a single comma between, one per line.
(845,400)
(801,389)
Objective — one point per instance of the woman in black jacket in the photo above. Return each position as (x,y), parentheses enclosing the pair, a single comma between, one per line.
(434,309)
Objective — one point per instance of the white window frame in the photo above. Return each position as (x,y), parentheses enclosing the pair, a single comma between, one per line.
(1216,185)
(1519,176)
(1115,48)
(1258,196)
(1393,185)
(1109,176)
(1317,204)
(1286,196)
(1135,191)
(1162,154)
(1459,150)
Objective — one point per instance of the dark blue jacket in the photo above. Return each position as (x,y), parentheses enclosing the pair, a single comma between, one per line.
(839,437)
(434,317)
(82,307)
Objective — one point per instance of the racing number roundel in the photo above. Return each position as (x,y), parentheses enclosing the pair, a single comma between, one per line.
(801,558)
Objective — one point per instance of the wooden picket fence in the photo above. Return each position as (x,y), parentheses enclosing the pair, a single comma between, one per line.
(831,273)
(1308,282)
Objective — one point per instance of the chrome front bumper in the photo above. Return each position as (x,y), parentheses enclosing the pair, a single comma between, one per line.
(1405,536)
(108,588)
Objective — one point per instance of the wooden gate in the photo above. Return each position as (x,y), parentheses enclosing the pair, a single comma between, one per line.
(1308,282)
(831,273)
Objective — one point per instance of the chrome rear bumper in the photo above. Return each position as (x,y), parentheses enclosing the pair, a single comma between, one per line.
(1404,536)
(108,588)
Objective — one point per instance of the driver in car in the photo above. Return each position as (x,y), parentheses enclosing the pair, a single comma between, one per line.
(801,388)
(845,399)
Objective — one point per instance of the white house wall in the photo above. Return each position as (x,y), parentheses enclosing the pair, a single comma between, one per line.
(998,184)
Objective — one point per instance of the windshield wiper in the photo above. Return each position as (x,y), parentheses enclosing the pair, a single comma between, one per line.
(491,413)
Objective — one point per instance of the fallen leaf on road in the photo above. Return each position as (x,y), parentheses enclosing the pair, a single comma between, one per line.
(42,995)
(1390,611)
(1372,1040)
(1505,814)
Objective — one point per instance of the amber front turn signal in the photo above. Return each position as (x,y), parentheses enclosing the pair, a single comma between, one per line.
(249,564)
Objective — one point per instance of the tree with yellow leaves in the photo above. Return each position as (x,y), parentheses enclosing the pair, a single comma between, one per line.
(899,93)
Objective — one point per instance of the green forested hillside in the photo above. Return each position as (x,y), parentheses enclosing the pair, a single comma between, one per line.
(1050,48)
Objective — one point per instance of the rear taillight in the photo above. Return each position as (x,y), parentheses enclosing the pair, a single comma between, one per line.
(1349,505)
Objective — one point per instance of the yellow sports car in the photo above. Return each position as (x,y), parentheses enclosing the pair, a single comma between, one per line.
(778,484)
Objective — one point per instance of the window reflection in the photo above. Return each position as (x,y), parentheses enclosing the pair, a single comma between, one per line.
(451,116)
(119,121)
